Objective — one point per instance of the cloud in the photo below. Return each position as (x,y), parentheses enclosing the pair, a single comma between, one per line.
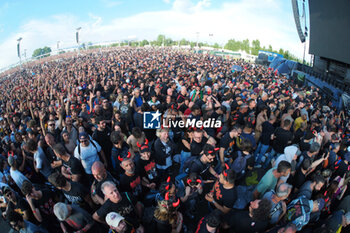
(167,1)
(267,21)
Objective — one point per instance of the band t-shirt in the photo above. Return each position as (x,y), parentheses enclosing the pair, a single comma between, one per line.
(224,197)
(125,207)
(76,194)
(46,204)
(131,184)
(147,168)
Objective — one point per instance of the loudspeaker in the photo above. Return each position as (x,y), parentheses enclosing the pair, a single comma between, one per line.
(297,20)
(18,53)
(77,37)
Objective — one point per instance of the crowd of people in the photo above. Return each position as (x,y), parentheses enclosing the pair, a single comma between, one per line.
(77,157)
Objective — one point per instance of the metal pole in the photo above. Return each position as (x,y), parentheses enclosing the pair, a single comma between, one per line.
(78,41)
(304,53)
(19,51)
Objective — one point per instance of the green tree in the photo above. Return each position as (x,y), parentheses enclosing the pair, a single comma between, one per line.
(216,46)
(184,42)
(245,46)
(233,45)
(39,52)
(270,48)
(255,47)
(144,42)
(160,40)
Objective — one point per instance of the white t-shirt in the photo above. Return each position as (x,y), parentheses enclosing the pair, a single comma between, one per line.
(88,155)
(18,177)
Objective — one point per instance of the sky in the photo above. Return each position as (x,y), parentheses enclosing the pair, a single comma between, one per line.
(42,24)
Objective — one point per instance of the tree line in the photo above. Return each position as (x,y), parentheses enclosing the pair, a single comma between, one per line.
(232,44)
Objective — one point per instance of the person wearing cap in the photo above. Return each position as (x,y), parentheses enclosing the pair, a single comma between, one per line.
(118,224)
(73,218)
(87,151)
(15,172)
(22,225)
(300,209)
(17,204)
(123,203)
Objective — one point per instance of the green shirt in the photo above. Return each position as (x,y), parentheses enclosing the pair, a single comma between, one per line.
(267,182)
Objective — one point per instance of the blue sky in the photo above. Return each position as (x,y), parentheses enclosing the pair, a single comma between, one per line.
(41,24)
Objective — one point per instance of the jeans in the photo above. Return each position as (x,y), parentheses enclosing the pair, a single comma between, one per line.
(260,151)
(272,155)
(184,157)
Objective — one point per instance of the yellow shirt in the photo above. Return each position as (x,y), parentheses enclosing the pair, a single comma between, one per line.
(298,122)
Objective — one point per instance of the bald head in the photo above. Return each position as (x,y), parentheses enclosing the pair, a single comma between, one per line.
(97,166)
(98,171)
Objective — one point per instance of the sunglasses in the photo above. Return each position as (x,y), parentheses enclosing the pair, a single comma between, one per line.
(51,124)
(83,141)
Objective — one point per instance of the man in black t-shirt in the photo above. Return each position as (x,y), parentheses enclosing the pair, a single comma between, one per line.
(41,202)
(223,195)
(122,203)
(18,204)
(130,181)
(228,145)
(253,220)
(282,137)
(102,136)
(101,175)
(202,166)
(71,166)
(74,192)
(197,143)
(267,131)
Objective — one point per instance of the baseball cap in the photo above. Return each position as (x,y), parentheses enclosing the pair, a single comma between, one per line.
(113,219)
(83,135)
(144,148)
(61,211)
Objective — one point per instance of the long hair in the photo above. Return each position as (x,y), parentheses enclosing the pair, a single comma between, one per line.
(165,212)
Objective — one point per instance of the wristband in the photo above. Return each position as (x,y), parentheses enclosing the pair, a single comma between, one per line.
(213,202)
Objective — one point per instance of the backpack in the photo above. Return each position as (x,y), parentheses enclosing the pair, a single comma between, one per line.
(99,154)
(240,162)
